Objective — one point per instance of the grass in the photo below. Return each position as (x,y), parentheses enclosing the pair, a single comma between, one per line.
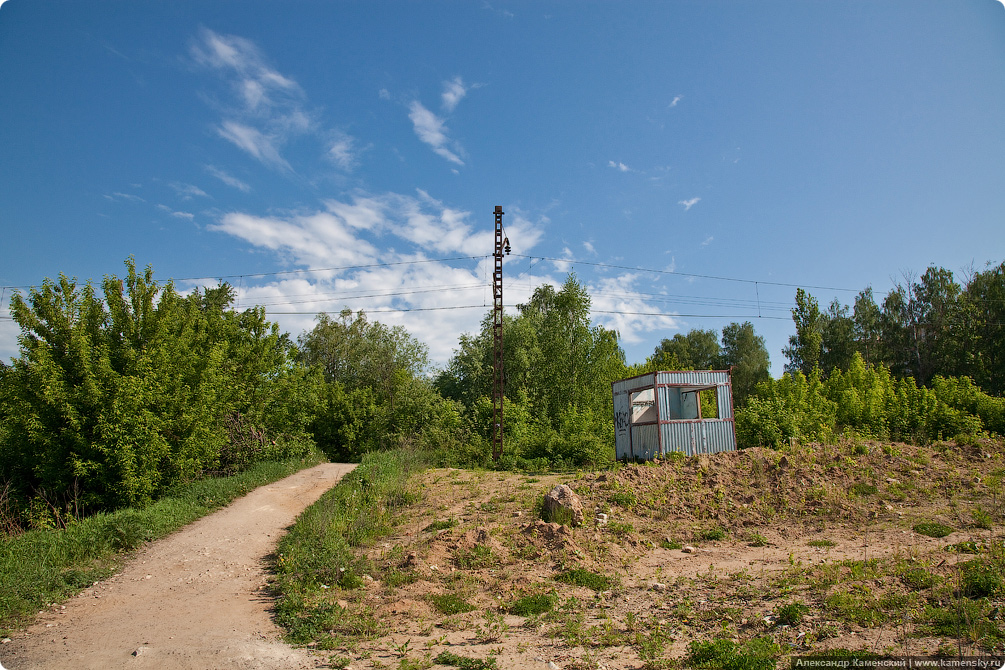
(450,603)
(43,567)
(582,577)
(320,551)
(531,605)
(932,529)
(464,662)
(722,654)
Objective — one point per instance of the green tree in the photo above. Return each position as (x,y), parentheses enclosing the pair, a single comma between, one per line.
(805,347)
(696,350)
(866,317)
(744,351)
(837,338)
(114,400)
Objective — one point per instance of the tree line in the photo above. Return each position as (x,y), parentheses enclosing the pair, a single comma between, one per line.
(115,398)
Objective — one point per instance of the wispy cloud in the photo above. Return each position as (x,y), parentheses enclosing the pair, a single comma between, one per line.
(431,130)
(688,204)
(188,191)
(255,142)
(268,108)
(453,92)
(180,215)
(620,167)
(228,179)
(124,196)
(708,241)
(343,151)
(676,99)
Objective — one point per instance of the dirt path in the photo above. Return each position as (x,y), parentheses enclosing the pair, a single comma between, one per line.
(194,599)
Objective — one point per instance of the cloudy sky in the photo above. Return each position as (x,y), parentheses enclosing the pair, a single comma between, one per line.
(693,162)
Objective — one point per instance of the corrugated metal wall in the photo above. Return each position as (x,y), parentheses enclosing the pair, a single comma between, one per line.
(674,398)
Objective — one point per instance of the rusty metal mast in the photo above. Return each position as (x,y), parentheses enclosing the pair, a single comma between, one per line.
(501,247)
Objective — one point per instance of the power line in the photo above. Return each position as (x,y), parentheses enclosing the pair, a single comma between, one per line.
(687,274)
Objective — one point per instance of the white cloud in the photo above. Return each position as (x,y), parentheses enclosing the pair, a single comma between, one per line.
(228,179)
(114,197)
(9,331)
(343,151)
(384,94)
(676,99)
(253,141)
(181,215)
(386,232)
(708,241)
(431,130)
(590,248)
(188,191)
(453,92)
(688,204)
(621,167)
(615,304)
(269,107)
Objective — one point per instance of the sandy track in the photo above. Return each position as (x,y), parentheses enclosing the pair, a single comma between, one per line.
(194,599)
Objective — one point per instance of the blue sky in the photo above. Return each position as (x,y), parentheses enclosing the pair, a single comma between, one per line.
(692,162)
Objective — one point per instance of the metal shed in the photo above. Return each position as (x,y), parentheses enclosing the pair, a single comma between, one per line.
(660,412)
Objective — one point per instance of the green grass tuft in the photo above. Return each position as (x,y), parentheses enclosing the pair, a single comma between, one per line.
(932,529)
(582,577)
(534,604)
(450,603)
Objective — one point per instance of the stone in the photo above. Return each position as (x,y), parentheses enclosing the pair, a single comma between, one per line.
(688,549)
(561,503)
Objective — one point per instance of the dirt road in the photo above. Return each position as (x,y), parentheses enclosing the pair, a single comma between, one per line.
(195,599)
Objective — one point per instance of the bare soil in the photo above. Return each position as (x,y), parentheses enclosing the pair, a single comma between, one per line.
(196,599)
(697,549)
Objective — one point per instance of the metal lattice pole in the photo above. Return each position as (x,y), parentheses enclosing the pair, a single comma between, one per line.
(501,246)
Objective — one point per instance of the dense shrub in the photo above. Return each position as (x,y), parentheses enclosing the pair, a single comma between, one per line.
(111,401)
(869,401)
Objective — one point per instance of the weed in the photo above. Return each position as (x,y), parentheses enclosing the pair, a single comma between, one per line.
(980,578)
(981,518)
(863,489)
(755,539)
(967,547)
(822,543)
(918,578)
(538,603)
(624,499)
(712,534)
(464,662)
(478,556)
(621,530)
(394,578)
(450,603)
(667,543)
(861,608)
(722,654)
(791,614)
(441,525)
(416,664)
(583,577)
(932,529)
